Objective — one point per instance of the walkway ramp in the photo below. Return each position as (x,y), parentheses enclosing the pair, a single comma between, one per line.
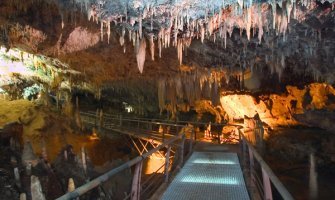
(209,176)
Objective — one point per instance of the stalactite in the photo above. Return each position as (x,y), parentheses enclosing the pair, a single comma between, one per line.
(140,56)
(248,24)
(288,10)
(160,39)
(108,30)
(260,26)
(140,25)
(152,47)
(202,33)
(102,31)
(180,51)
(62,24)
(274,13)
(122,37)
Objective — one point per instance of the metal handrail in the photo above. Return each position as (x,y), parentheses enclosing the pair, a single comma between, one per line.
(153,119)
(267,173)
(99,180)
(141,120)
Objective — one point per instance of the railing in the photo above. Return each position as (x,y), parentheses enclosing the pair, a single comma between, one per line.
(181,122)
(173,149)
(261,176)
(111,121)
(157,130)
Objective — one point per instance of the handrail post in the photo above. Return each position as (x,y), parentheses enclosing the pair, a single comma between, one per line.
(244,151)
(266,185)
(167,163)
(136,185)
(96,118)
(163,132)
(195,134)
(150,125)
(251,163)
(101,122)
(182,151)
(120,120)
(191,141)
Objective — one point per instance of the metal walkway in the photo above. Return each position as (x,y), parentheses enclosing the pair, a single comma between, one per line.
(209,175)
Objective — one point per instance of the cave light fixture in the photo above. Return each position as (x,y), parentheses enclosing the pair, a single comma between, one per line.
(210,180)
(216,161)
(128,107)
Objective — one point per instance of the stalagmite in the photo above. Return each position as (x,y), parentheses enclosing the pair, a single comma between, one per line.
(17,177)
(28,169)
(83,159)
(140,55)
(23,196)
(71,186)
(28,155)
(36,189)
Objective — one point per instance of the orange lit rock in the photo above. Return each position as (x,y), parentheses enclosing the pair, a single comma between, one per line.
(319,93)
(238,106)
(279,110)
(204,106)
(297,97)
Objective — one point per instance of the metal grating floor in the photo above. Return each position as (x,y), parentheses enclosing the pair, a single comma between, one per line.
(209,175)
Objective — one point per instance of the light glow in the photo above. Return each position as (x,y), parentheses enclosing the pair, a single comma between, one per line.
(210,180)
(217,162)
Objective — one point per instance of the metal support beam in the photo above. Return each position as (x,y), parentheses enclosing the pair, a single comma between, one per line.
(191,141)
(144,146)
(266,186)
(135,145)
(155,146)
(251,164)
(181,156)
(167,164)
(136,186)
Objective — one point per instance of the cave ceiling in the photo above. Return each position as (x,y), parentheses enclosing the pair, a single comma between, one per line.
(125,40)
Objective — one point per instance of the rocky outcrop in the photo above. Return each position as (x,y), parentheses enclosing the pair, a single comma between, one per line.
(312,105)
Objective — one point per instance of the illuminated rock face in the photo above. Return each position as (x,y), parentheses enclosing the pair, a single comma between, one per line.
(287,109)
